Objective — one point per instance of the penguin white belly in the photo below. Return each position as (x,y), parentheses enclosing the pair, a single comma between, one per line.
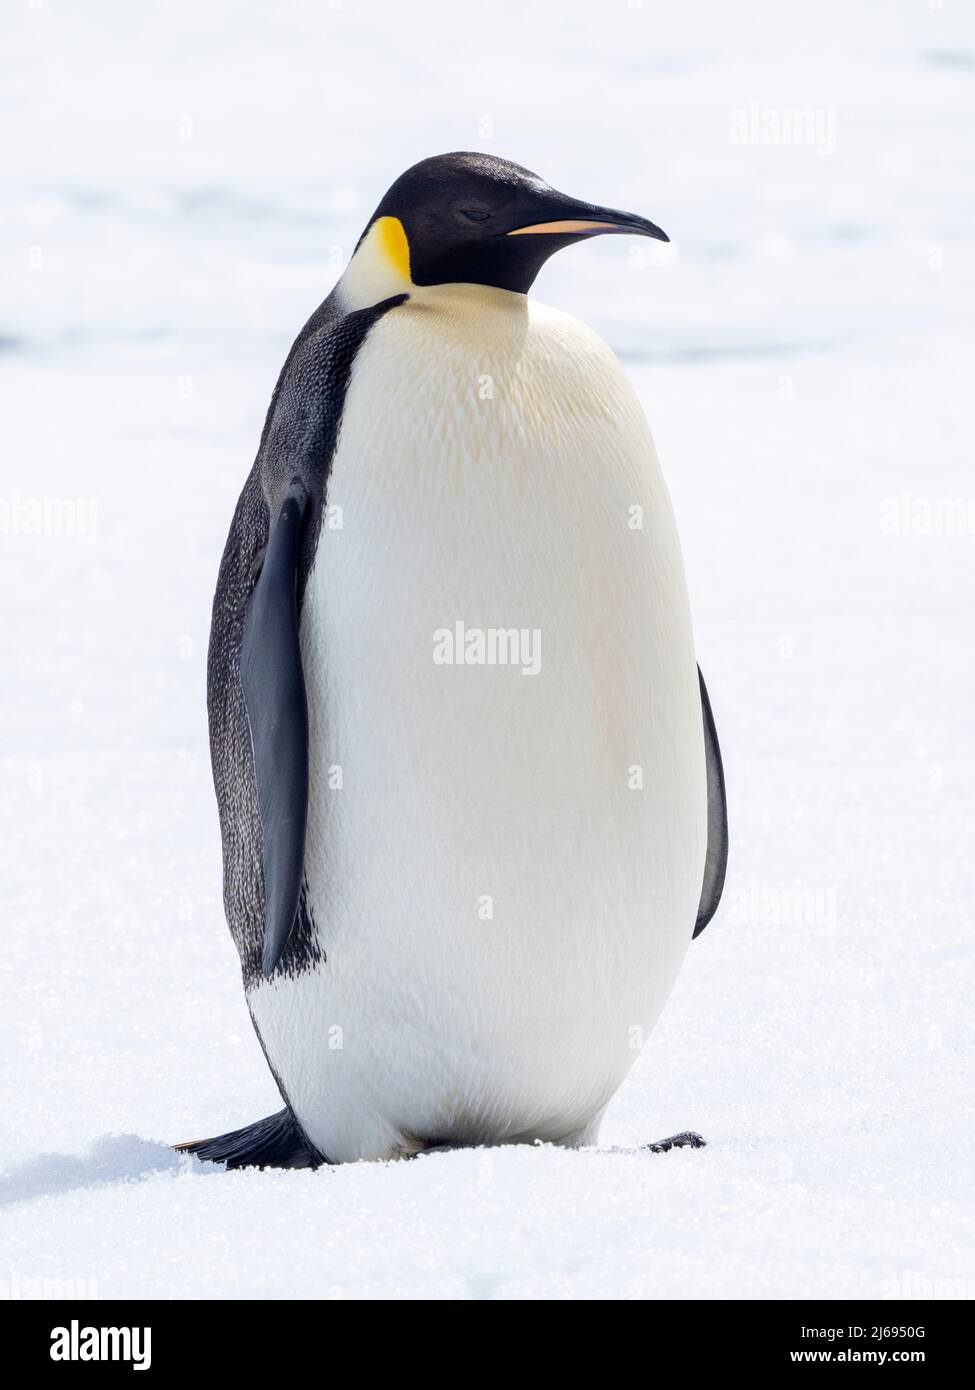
(503,860)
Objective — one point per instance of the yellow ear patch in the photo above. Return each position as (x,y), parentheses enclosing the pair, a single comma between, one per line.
(394,245)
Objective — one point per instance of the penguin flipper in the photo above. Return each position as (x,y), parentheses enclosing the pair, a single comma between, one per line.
(273,683)
(716,859)
(274,1142)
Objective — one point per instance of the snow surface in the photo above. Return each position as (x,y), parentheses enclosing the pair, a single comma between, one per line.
(181,185)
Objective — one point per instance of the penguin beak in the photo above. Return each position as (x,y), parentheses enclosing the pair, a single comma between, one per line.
(585,219)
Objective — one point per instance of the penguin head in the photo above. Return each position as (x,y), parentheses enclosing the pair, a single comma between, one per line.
(475,219)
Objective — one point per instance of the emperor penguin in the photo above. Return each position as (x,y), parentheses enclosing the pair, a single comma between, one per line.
(470,792)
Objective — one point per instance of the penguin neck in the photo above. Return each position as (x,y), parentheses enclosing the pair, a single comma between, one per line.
(380,269)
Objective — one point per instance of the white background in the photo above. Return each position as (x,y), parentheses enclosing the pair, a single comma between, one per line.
(181,185)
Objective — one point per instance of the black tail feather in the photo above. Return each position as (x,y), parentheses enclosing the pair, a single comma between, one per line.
(275,1142)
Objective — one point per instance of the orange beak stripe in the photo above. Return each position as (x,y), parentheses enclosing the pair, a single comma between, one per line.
(561,228)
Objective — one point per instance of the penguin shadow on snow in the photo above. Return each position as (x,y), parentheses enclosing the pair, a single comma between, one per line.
(110,1159)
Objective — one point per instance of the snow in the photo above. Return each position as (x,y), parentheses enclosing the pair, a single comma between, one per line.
(180,189)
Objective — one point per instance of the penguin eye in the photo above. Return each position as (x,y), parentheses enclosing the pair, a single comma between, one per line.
(475,214)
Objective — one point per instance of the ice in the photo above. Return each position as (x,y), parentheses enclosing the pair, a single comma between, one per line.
(180,190)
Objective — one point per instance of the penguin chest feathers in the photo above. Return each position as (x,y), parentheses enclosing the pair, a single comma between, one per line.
(507,815)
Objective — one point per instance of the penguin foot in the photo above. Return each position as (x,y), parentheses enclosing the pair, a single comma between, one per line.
(687,1139)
